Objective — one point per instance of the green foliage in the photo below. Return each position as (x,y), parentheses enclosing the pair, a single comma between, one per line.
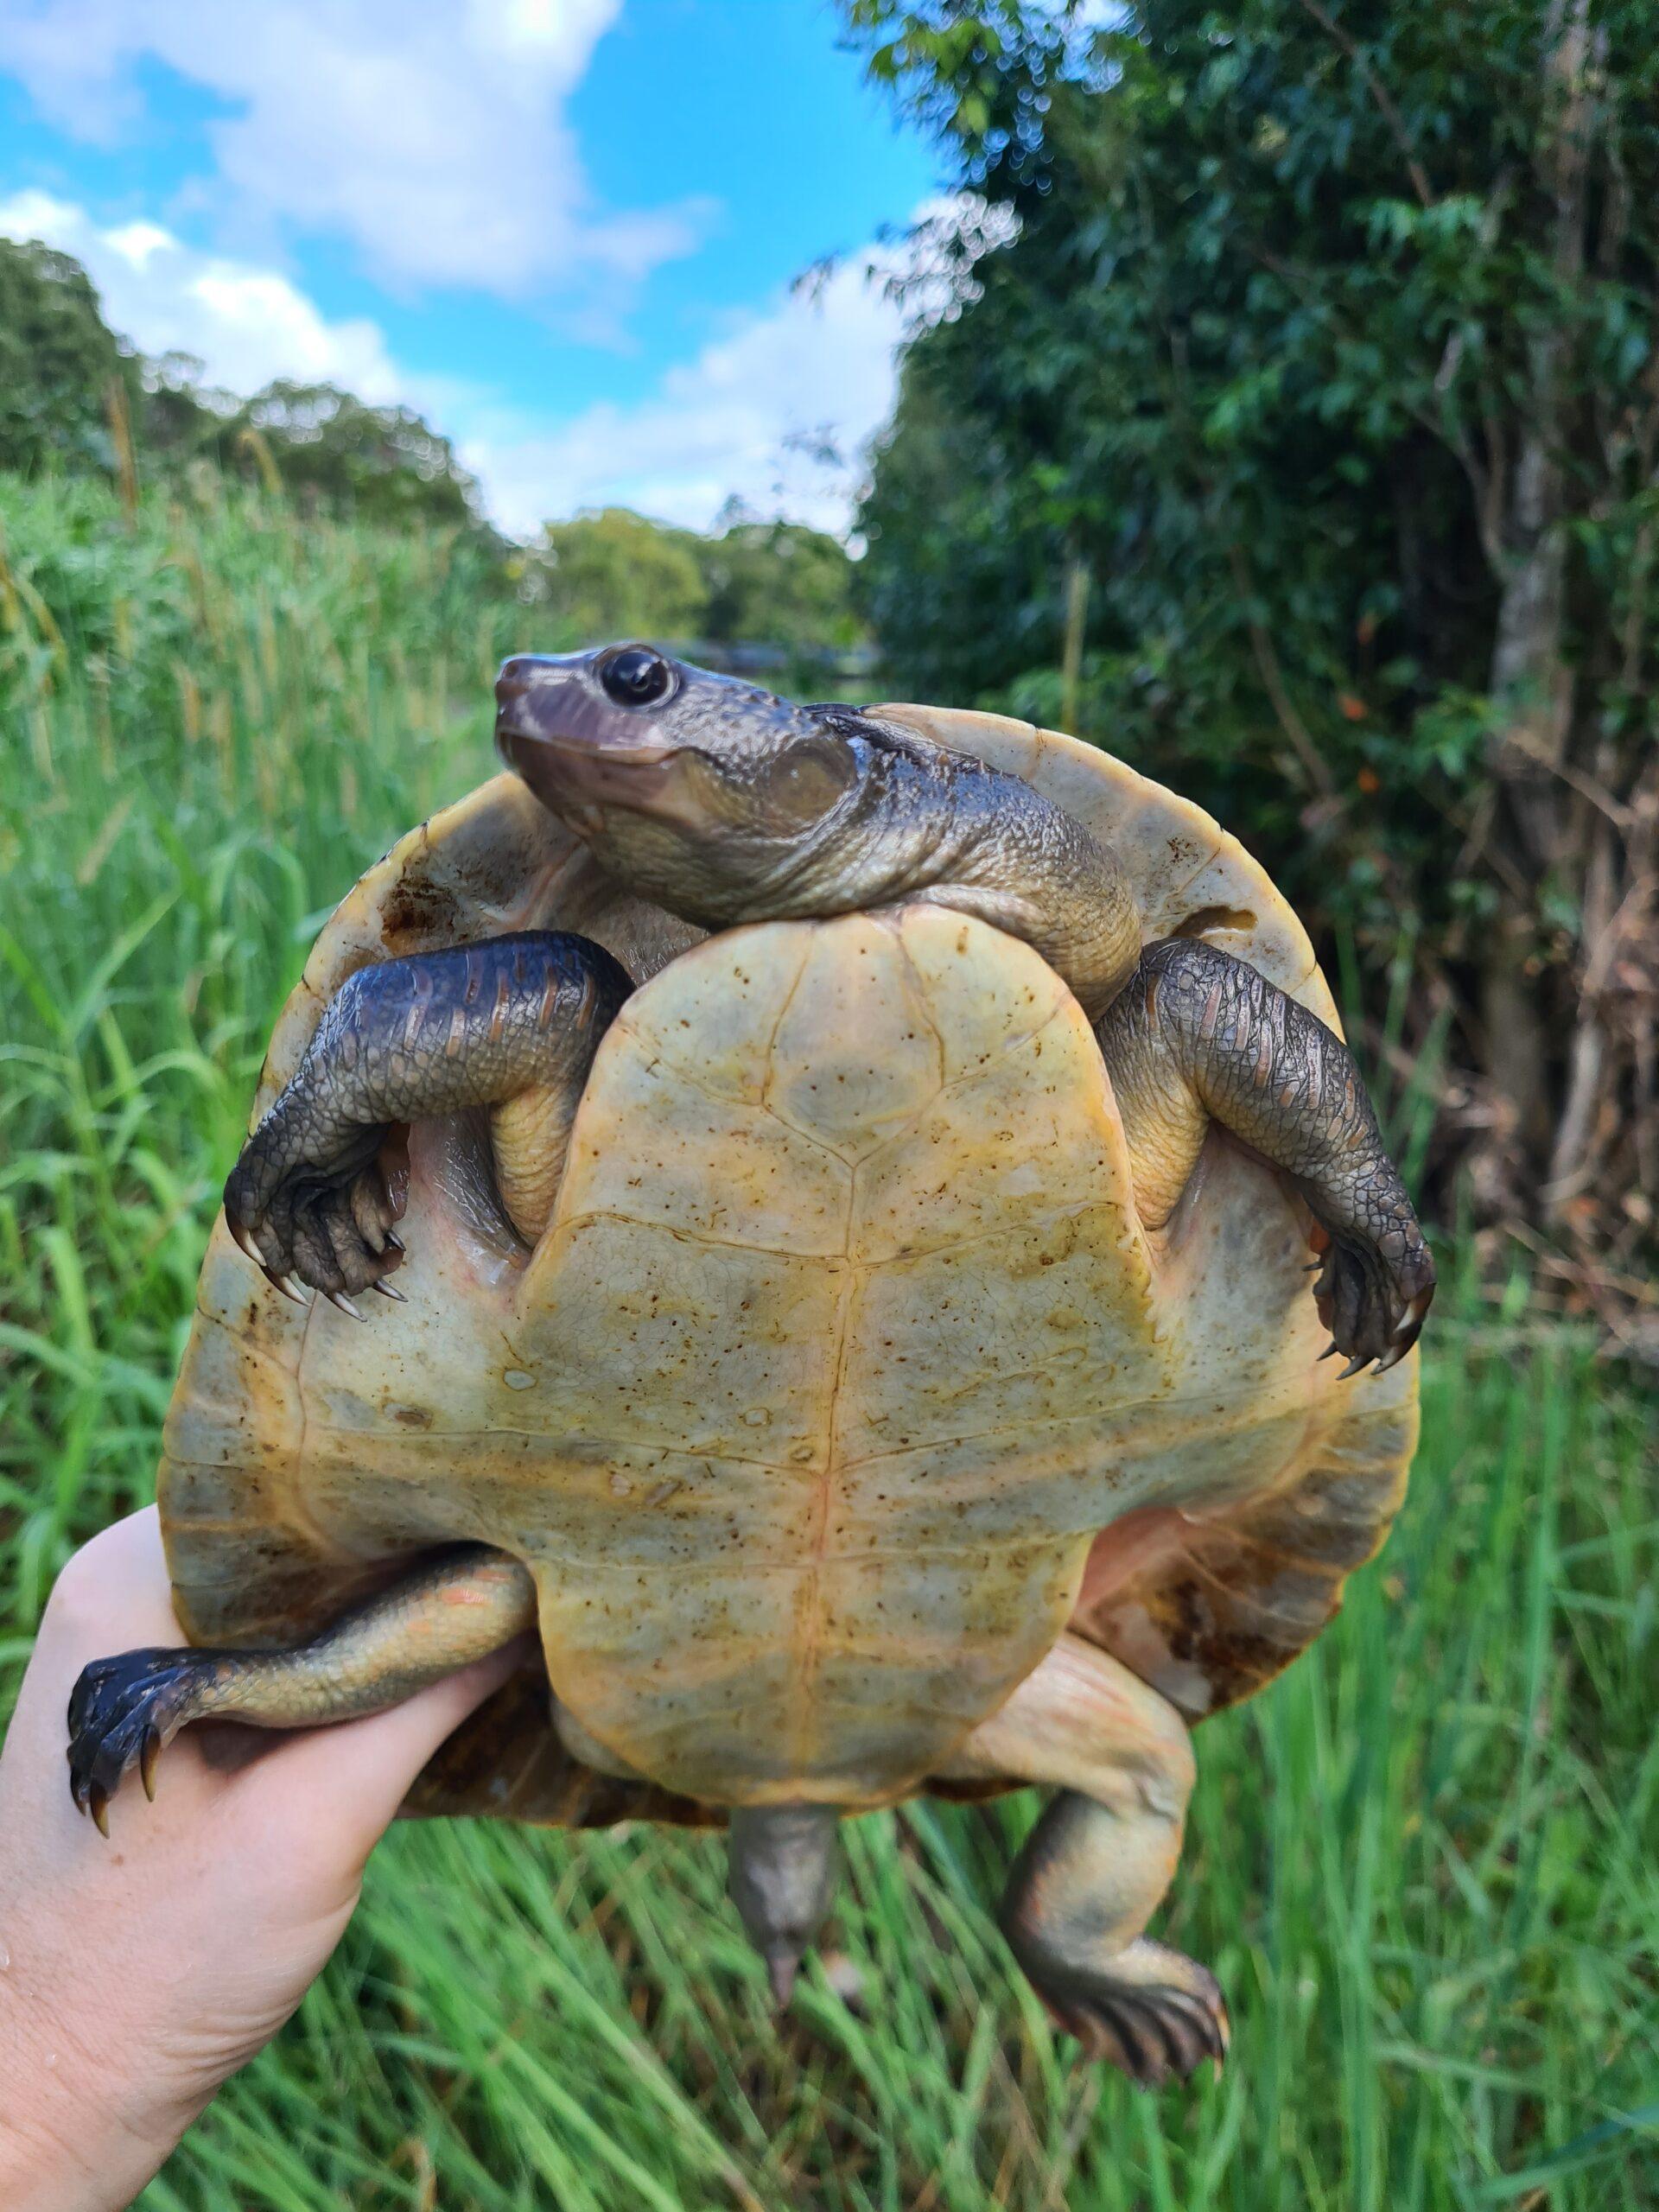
(620,575)
(57,362)
(615,574)
(775,582)
(1324,355)
(382,464)
(76,396)
(1423,1864)
(330,452)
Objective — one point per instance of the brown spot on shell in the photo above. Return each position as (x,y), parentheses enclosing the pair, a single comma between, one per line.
(417,908)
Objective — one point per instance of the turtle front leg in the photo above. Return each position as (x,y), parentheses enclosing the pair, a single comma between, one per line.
(125,1711)
(1196,1035)
(1100,1860)
(512,1023)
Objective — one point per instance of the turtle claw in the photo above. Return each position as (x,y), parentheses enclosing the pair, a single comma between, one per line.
(122,1712)
(1157,2018)
(1330,1352)
(389,1290)
(305,1229)
(1372,1298)
(338,1298)
(783,1964)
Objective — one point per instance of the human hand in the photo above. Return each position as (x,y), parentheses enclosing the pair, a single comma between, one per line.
(137,1974)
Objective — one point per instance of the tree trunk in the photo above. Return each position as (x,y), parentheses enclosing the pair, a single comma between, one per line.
(1531,681)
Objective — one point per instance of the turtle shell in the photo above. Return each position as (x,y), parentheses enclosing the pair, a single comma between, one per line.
(846,1375)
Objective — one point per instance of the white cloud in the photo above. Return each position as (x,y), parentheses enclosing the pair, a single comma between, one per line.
(753,414)
(429,132)
(778,409)
(245,324)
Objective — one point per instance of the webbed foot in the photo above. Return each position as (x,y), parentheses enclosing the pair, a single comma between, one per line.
(122,1712)
(1096,1865)
(1373,1297)
(1149,2011)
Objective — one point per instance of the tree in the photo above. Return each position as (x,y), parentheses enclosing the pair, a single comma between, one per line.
(58,363)
(615,574)
(73,395)
(775,582)
(382,464)
(1320,386)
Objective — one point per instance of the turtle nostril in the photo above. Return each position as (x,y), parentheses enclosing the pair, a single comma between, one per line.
(511,692)
(520,674)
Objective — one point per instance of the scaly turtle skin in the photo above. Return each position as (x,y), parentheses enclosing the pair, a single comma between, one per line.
(877,1354)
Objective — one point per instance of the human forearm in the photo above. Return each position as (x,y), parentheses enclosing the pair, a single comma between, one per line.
(72,2140)
(138,1973)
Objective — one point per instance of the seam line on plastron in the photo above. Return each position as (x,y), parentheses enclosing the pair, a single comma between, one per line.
(769,1055)
(686,1235)
(811,1651)
(915,992)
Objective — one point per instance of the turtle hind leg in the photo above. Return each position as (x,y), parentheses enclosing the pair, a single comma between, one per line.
(1099,1862)
(456,1608)
(1153,2012)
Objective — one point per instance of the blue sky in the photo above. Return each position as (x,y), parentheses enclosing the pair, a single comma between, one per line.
(564,229)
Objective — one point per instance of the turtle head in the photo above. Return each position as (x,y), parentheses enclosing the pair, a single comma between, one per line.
(725,804)
(719,799)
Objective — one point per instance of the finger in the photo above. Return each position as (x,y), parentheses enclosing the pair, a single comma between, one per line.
(345,1783)
(112,1595)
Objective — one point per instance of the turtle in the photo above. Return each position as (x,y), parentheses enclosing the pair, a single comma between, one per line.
(858,1196)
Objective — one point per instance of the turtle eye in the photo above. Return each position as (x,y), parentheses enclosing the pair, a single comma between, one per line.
(636,676)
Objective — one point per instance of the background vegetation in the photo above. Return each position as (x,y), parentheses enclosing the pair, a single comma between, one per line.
(243,644)
(1302,447)
(77,403)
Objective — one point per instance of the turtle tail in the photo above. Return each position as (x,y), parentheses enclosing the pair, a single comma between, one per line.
(784,1862)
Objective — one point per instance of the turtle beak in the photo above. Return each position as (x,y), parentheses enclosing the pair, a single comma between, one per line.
(577,751)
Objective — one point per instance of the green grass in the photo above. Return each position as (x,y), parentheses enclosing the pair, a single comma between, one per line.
(1423,1864)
